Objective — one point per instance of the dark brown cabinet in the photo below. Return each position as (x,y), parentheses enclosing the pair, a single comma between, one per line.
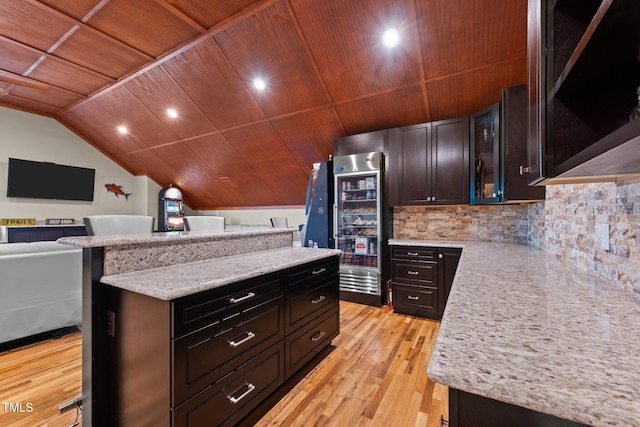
(37,234)
(431,163)
(448,259)
(498,151)
(210,358)
(312,317)
(421,279)
(484,151)
(361,143)
(471,410)
(584,71)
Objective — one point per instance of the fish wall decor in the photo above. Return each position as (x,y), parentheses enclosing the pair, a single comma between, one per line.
(117,190)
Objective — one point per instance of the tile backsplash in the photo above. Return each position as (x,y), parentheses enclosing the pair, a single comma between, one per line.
(565,225)
(576,215)
(489,223)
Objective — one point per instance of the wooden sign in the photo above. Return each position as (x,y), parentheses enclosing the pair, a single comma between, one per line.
(13,222)
(60,221)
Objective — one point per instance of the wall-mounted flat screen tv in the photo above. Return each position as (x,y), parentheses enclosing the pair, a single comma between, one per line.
(44,180)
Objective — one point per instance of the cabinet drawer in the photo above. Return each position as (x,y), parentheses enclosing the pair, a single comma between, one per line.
(417,253)
(302,345)
(415,301)
(211,307)
(310,273)
(304,305)
(228,401)
(203,357)
(418,273)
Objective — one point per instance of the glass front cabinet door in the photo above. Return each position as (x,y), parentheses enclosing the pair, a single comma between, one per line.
(486,183)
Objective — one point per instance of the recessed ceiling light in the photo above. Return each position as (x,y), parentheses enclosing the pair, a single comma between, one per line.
(391,38)
(259,83)
(123,130)
(172,113)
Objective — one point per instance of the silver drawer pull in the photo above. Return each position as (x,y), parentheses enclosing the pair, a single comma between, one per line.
(234,400)
(322,270)
(246,297)
(411,297)
(318,336)
(319,299)
(412,253)
(234,344)
(413,273)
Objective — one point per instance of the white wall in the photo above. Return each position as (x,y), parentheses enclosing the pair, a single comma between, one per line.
(259,216)
(32,137)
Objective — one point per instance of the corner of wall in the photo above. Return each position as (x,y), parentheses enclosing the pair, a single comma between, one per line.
(574,216)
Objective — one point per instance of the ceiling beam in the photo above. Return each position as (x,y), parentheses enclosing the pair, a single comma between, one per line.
(168,4)
(216,29)
(88,28)
(17,79)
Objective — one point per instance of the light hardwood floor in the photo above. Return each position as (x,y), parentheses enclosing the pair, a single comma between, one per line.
(41,377)
(373,374)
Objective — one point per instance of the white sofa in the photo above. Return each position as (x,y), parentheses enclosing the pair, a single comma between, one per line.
(40,288)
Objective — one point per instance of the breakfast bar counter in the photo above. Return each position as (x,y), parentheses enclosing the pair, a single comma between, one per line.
(147,296)
(209,274)
(524,328)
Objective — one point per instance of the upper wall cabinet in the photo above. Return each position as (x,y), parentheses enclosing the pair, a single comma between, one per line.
(361,143)
(584,73)
(365,143)
(486,184)
(431,163)
(498,151)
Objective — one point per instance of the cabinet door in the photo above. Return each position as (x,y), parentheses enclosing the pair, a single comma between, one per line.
(513,139)
(536,55)
(449,178)
(449,259)
(415,301)
(486,185)
(360,143)
(432,162)
(415,166)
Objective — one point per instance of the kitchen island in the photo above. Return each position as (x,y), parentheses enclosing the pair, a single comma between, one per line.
(176,324)
(523,328)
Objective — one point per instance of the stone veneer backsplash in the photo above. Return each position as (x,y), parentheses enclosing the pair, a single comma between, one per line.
(573,212)
(564,225)
(488,223)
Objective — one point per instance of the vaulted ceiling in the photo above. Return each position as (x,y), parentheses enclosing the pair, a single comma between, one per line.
(95,65)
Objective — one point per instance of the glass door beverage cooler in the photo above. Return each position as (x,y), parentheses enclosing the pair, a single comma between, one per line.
(357,221)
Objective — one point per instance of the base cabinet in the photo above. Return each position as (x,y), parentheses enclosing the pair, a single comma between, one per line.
(471,410)
(228,401)
(209,359)
(421,279)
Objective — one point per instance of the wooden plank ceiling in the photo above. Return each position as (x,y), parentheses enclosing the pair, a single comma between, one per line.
(110,63)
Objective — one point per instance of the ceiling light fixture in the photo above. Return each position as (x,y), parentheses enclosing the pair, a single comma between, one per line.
(391,38)
(172,113)
(259,83)
(123,130)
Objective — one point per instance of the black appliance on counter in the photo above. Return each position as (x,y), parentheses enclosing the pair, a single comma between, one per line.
(318,229)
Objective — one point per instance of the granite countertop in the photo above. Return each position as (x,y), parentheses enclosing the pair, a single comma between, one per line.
(166,237)
(167,283)
(524,328)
